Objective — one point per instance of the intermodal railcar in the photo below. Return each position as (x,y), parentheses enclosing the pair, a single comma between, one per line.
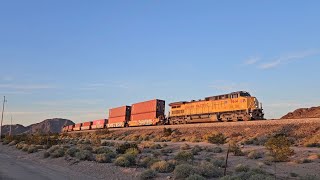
(235,106)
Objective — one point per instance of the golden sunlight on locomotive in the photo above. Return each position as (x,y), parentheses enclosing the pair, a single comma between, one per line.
(236,106)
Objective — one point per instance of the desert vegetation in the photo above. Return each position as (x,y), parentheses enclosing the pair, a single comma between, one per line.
(173,153)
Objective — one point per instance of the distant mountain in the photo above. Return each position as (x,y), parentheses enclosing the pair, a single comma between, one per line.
(313,112)
(47,126)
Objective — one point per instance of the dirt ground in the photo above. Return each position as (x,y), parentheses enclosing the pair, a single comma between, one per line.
(16,164)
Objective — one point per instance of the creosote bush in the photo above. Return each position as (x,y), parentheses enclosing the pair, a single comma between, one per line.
(147,161)
(122,148)
(235,149)
(208,170)
(72,151)
(84,155)
(57,153)
(242,168)
(196,150)
(196,177)
(32,149)
(103,158)
(148,174)
(122,161)
(215,138)
(183,171)
(184,156)
(279,148)
(162,167)
(255,155)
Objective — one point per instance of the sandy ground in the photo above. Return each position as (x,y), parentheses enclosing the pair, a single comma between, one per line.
(15,164)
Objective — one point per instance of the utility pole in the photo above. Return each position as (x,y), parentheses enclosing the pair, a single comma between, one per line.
(10,133)
(4,100)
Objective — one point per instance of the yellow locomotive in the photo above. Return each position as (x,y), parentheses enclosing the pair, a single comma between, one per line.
(236,106)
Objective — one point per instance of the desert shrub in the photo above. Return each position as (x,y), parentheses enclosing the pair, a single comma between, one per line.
(148,174)
(57,153)
(208,170)
(122,148)
(25,147)
(257,141)
(254,174)
(183,171)
(122,161)
(196,150)
(84,155)
(184,156)
(242,168)
(219,163)
(166,151)
(260,176)
(147,161)
(305,161)
(12,143)
(215,138)
(167,132)
(106,143)
(254,155)
(86,147)
(132,151)
(313,141)
(101,150)
(195,177)
(279,148)
(103,158)
(185,147)
(294,174)
(156,146)
(46,154)
(235,149)
(19,145)
(217,150)
(32,149)
(72,151)
(53,148)
(162,167)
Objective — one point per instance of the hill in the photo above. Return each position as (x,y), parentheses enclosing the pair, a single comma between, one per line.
(313,112)
(49,125)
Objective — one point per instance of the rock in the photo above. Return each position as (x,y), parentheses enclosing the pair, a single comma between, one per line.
(313,112)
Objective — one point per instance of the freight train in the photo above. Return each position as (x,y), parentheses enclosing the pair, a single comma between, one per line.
(235,106)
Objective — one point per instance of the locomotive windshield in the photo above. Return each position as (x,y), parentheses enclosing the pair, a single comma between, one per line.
(245,94)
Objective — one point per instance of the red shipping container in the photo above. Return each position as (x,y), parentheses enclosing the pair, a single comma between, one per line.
(144,116)
(85,127)
(148,106)
(118,119)
(120,111)
(99,124)
(70,128)
(86,124)
(78,125)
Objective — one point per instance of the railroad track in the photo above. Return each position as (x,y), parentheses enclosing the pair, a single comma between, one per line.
(271,122)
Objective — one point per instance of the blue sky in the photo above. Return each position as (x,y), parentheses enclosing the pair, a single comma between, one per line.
(75,59)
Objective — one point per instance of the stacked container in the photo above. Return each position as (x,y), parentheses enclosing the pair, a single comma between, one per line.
(70,128)
(77,127)
(119,117)
(86,125)
(99,124)
(147,113)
